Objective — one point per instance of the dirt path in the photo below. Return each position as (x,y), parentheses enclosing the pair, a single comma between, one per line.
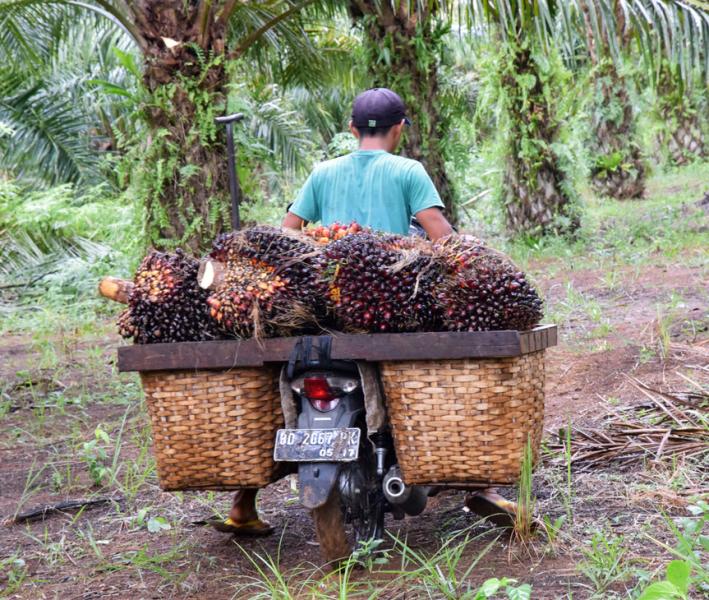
(634,324)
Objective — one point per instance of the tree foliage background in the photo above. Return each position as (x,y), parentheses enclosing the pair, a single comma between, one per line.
(108,142)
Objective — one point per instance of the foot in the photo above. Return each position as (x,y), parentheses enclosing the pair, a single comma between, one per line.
(252,528)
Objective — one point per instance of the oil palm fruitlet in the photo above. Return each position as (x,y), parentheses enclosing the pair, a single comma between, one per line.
(250,300)
(268,282)
(376,286)
(271,284)
(336,231)
(293,257)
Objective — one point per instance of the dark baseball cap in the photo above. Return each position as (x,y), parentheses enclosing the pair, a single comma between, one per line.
(378,107)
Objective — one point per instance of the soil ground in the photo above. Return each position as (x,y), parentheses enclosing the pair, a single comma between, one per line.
(644,322)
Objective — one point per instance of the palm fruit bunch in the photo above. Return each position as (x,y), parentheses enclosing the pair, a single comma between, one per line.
(272,282)
(250,299)
(166,304)
(336,231)
(483,290)
(126,326)
(376,286)
(297,260)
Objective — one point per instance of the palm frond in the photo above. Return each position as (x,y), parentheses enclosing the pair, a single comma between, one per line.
(51,138)
(281,129)
(679,30)
(20,19)
(57,117)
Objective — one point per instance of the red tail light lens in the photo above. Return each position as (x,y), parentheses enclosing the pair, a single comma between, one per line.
(317,388)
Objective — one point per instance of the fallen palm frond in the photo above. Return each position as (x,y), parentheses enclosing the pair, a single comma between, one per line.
(667,424)
(40,513)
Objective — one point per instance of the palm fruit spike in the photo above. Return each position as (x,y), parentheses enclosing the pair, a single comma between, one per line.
(126,327)
(484,290)
(166,304)
(377,287)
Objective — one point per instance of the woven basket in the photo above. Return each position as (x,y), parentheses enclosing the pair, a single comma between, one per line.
(465,421)
(214,429)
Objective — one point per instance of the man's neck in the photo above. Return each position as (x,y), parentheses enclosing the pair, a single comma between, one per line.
(372,143)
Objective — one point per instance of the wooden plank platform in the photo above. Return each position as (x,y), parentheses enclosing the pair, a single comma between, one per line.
(227,354)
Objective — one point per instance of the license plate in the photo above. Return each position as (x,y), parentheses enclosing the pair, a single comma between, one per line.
(317,445)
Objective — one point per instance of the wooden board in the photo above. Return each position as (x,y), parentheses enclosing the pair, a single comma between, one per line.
(227,354)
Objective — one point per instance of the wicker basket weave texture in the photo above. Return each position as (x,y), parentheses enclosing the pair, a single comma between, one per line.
(465,421)
(214,429)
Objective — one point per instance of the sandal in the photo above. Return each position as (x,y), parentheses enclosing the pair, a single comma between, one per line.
(492,506)
(254,528)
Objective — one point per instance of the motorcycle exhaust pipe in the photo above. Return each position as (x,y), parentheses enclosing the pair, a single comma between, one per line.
(410,498)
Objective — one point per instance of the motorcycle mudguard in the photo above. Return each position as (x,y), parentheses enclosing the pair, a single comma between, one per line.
(316,482)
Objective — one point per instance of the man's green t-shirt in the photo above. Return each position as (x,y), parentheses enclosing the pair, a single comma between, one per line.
(372,187)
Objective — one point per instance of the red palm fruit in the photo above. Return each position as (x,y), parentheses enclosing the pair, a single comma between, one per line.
(367,271)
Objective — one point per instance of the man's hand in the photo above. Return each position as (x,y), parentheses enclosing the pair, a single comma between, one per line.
(434,223)
(292,221)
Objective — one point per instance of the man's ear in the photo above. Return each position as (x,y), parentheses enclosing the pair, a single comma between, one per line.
(354,130)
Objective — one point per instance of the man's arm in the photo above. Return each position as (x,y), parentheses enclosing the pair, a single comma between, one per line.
(435,224)
(292,221)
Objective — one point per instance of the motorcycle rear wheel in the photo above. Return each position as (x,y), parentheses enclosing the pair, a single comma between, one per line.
(329,523)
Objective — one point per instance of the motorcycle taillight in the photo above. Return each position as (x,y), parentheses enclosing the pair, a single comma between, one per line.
(321,396)
(324,405)
(318,388)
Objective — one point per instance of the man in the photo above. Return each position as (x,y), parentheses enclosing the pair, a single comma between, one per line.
(373,187)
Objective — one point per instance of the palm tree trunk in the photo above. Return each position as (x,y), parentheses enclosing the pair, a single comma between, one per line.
(618,170)
(536,190)
(685,143)
(182,175)
(682,134)
(403,46)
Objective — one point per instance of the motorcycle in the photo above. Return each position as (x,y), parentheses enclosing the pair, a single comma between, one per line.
(347,473)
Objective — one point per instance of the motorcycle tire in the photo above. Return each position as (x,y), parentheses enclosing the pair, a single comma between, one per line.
(329,523)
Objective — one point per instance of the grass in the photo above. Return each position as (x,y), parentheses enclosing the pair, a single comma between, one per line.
(445,573)
(604,562)
(13,570)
